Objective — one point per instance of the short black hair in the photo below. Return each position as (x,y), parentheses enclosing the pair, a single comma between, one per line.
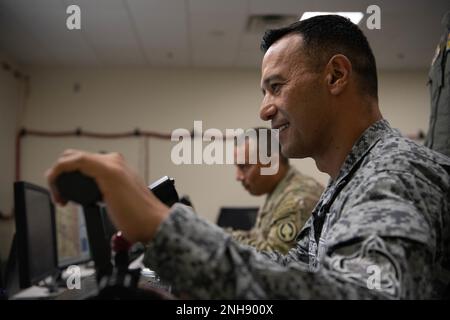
(327,35)
(258,131)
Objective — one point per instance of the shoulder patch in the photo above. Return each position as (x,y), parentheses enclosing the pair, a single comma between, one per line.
(287,231)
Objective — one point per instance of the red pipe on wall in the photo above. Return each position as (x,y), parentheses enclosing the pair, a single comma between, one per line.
(80,133)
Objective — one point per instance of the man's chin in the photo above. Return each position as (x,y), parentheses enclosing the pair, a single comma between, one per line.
(255,193)
(291,153)
(287,151)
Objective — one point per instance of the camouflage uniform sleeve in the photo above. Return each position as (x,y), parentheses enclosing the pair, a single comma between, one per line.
(280,234)
(243,236)
(295,209)
(287,223)
(203,262)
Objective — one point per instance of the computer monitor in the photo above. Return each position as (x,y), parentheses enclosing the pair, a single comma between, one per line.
(72,238)
(239,218)
(35,233)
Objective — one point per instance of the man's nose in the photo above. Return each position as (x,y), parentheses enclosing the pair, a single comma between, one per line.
(267,111)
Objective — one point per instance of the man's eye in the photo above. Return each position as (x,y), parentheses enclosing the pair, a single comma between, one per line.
(275,87)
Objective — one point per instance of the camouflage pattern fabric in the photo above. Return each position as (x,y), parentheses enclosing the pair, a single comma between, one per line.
(438,137)
(283,214)
(381,229)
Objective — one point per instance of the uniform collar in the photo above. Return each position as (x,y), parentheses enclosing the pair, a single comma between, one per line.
(363,145)
(359,151)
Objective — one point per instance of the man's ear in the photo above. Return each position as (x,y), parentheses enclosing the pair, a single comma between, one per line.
(338,71)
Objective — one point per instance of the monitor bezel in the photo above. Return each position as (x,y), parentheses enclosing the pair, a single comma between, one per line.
(22,232)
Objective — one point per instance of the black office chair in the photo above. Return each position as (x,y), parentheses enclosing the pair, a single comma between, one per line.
(238,218)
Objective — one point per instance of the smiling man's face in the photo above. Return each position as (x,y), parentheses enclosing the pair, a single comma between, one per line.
(295,97)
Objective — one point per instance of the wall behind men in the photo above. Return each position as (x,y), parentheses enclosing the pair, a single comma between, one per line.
(121,99)
(10,101)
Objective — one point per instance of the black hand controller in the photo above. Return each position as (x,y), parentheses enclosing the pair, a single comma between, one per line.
(77,187)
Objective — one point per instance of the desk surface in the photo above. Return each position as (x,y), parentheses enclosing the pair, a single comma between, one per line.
(89,288)
(36,293)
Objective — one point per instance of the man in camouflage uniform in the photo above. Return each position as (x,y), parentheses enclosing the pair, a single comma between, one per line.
(438,137)
(289,203)
(381,229)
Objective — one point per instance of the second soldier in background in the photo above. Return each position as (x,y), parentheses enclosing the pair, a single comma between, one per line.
(291,196)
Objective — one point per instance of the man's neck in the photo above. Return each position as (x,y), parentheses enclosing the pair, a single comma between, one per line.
(342,141)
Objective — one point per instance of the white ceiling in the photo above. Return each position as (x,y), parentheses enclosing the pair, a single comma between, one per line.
(197,33)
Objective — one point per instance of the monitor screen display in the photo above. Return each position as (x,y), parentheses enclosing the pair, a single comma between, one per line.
(72,238)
